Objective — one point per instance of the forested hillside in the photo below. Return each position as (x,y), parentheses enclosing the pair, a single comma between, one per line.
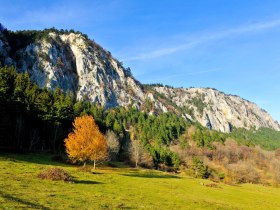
(35,119)
(71,61)
(40,119)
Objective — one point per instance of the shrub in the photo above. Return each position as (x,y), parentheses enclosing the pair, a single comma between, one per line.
(216,176)
(277,153)
(199,169)
(55,174)
(139,155)
(243,173)
(221,176)
(276,171)
(163,167)
(113,145)
(231,162)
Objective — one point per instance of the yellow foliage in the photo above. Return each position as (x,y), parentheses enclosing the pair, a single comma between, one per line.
(86,142)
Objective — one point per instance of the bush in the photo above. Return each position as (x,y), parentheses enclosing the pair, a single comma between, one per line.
(139,156)
(55,174)
(113,145)
(231,162)
(243,173)
(199,169)
(277,153)
(276,171)
(166,168)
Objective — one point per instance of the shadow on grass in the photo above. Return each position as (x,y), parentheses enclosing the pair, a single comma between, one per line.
(88,169)
(152,175)
(86,182)
(21,201)
(37,158)
(95,172)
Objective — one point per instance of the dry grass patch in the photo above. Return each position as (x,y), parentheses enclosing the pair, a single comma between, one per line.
(55,174)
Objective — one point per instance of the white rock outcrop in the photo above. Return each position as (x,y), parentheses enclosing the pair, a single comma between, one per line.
(217,110)
(73,62)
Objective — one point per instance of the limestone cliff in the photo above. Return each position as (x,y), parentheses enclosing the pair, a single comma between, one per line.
(217,110)
(73,62)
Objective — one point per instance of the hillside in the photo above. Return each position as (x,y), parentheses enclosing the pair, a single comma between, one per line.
(217,110)
(120,188)
(72,62)
(63,95)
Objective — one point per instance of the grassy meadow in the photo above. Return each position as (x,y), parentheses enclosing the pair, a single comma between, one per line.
(120,188)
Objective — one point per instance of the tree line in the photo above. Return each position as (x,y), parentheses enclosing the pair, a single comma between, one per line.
(35,119)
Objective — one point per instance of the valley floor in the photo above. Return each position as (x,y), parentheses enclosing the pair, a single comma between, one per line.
(120,188)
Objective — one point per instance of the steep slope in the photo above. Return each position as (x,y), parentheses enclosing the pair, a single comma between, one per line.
(71,61)
(217,110)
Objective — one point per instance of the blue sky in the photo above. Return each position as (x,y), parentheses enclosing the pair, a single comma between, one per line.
(233,46)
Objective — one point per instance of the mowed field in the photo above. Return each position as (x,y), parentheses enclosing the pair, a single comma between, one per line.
(120,188)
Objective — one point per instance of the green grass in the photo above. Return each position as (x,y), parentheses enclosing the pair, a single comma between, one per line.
(120,188)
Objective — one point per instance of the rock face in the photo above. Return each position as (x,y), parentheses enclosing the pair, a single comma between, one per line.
(217,110)
(72,62)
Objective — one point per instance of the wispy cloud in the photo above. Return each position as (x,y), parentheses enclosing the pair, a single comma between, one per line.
(252,27)
(60,13)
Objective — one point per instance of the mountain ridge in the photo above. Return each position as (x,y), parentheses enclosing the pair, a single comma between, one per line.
(71,61)
(217,110)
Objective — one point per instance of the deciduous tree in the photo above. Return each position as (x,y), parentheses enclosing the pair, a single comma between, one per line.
(113,144)
(86,142)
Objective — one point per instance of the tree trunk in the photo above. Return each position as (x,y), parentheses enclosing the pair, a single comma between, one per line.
(85,164)
(93,164)
(136,153)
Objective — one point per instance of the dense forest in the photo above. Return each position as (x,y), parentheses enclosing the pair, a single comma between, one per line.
(40,119)
(34,119)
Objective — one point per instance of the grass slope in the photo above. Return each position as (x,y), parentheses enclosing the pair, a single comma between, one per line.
(119,188)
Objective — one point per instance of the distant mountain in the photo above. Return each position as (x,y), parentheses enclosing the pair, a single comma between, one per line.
(71,61)
(217,110)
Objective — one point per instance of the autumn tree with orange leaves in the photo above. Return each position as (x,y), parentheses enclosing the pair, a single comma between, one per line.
(86,142)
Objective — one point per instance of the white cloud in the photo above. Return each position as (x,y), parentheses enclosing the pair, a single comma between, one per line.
(62,14)
(252,27)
